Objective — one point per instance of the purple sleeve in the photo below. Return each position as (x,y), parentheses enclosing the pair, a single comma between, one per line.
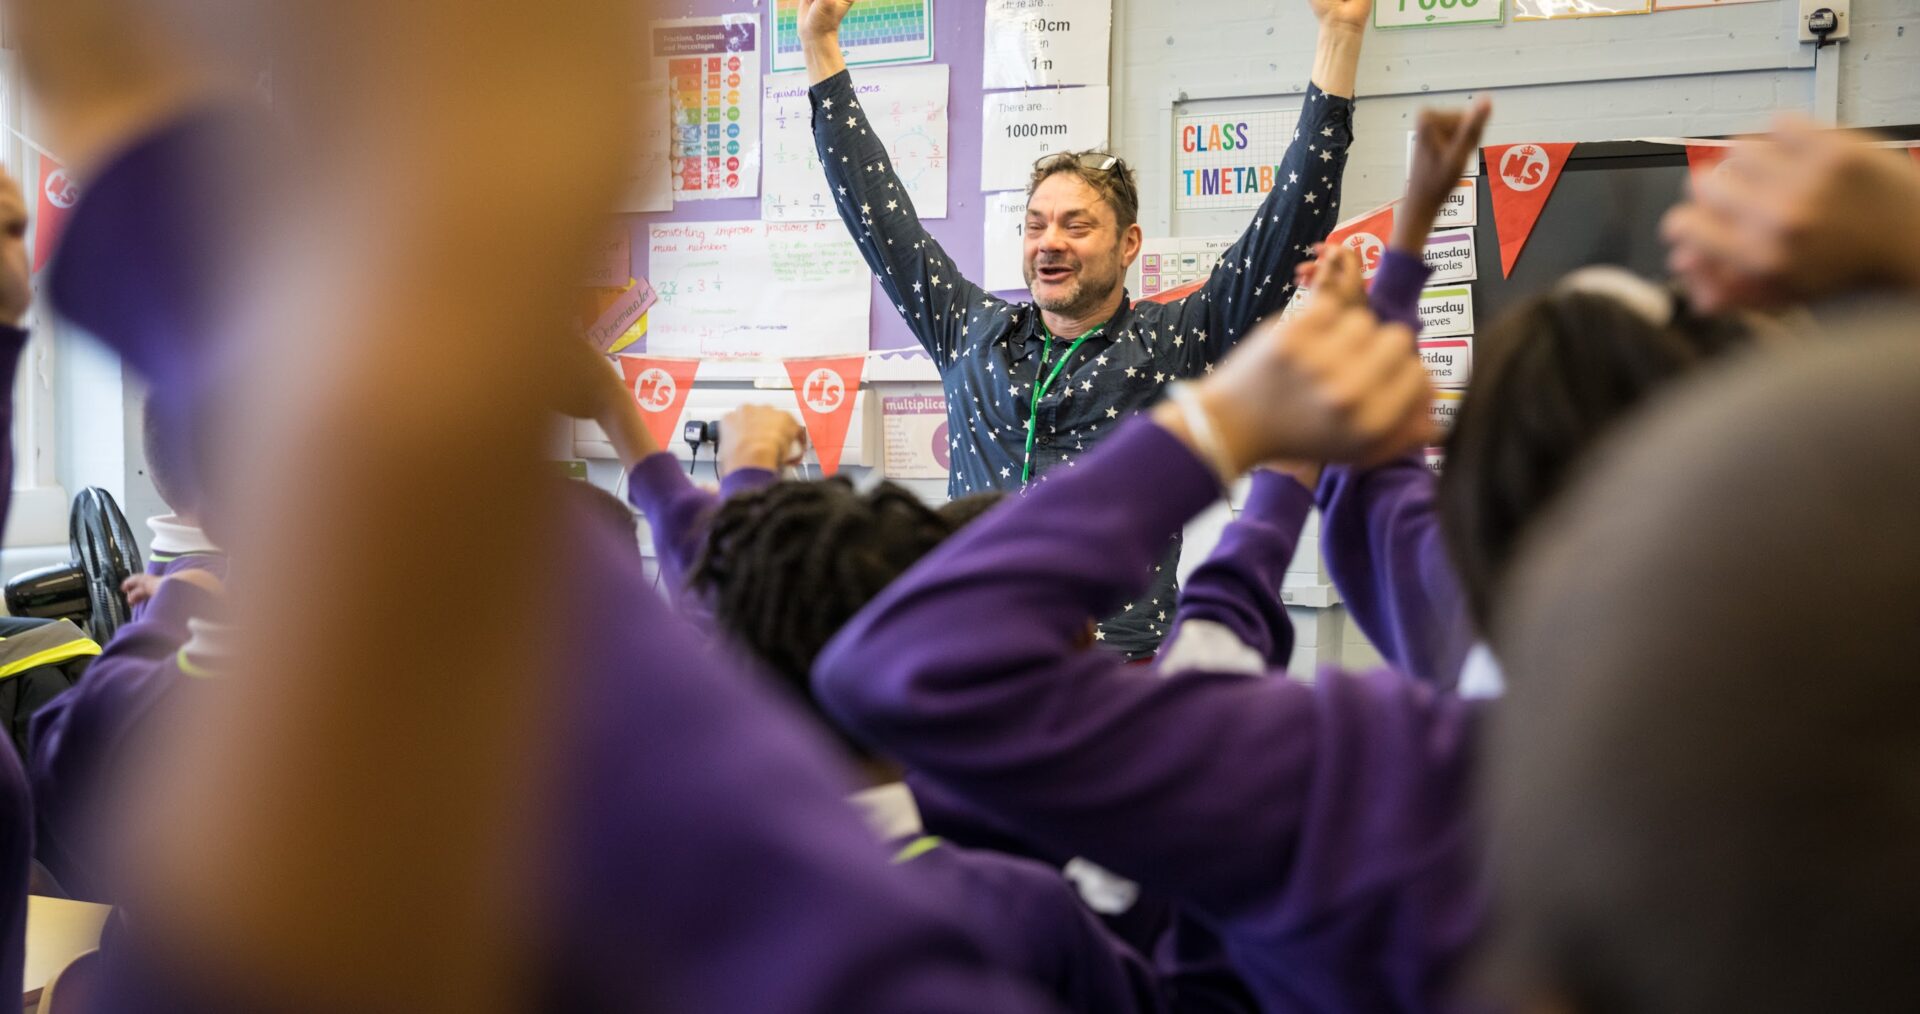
(705,854)
(1395,295)
(16,863)
(76,736)
(1236,795)
(1380,537)
(1238,586)
(679,512)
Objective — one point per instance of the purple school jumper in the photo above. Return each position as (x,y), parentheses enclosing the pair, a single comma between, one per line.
(78,737)
(1022,911)
(1321,831)
(1380,534)
(708,860)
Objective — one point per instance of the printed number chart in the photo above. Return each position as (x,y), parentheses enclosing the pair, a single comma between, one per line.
(875,32)
(712,69)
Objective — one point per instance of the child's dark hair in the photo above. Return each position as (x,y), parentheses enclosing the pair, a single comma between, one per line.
(787,566)
(1549,380)
(169,466)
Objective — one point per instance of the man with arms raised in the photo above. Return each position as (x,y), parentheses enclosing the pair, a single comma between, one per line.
(1030,386)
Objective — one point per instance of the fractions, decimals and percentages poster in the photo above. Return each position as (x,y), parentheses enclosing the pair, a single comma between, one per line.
(712,69)
(730,289)
(1433,13)
(905,106)
(1039,43)
(874,32)
(1020,128)
(1231,160)
(651,188)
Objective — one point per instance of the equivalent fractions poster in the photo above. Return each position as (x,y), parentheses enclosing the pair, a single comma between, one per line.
(1020,128)
(1039,43)
(905,106)
(731,289)
(712,70)
(1224,161)
(874,32)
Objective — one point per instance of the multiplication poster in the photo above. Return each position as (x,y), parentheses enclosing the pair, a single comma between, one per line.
(712,70)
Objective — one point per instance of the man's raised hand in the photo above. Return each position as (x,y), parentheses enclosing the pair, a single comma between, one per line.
(821,18)
(1352,14)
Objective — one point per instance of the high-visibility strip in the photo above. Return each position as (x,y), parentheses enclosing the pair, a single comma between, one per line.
(50,656)
(916,848)
(192,668)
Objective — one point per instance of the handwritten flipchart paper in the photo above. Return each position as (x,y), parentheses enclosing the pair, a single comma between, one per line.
(731,289)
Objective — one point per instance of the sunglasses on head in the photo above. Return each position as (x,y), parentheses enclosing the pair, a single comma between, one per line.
(1095,161)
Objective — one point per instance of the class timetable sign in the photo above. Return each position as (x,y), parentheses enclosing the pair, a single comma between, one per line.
(1224,161)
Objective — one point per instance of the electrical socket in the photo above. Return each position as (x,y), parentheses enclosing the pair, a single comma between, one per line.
(1842,10)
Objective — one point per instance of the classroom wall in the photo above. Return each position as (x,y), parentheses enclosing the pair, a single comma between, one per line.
(1693,72)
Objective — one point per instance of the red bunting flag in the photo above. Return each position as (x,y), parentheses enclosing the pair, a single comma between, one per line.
(660,387)
(1368,236)
(826,389)
(1705,158)
(1523,177)
(58,194)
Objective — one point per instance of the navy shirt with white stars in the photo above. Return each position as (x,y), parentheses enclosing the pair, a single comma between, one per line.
(989,351)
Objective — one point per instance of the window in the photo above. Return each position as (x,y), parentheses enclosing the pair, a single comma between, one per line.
(38,514)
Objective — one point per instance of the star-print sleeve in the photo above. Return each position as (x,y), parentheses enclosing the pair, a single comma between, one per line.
(923,282)
(1255,276)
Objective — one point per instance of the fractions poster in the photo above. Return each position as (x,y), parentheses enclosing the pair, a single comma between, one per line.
(1006,242)
(1039,43)
(914,428)
(712,69)
(874,32)
(1224,161)
(652,186)
(905,106)
(1020,128)
(1171,263)
(750,289)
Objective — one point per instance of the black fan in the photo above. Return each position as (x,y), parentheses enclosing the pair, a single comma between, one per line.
(86,591)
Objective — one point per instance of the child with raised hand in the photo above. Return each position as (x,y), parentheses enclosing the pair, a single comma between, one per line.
(1234,796)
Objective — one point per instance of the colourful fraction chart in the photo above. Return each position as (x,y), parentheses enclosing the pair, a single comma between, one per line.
(875,32)
(712,69)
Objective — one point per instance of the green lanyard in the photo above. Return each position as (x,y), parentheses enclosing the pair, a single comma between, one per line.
(1040,389)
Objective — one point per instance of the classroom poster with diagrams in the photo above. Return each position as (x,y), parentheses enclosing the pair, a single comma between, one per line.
(914,436)
(1226,161)
(1044,43)
(1020,128)
(905,106)
(712,70)
(729,290)
(875,33)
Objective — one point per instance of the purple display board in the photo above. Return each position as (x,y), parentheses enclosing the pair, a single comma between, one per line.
(959,26)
